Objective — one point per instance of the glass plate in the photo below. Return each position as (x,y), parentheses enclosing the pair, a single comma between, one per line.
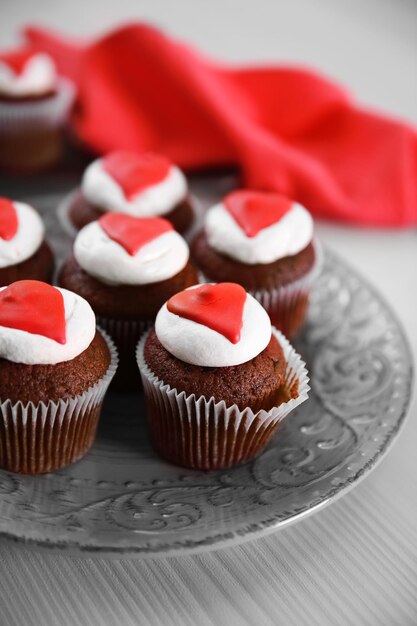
(122,500)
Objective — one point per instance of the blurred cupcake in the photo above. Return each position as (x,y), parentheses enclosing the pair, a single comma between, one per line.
(34,107)
(24,253)
(218,379)
(54,371)
(264,242)
(126,268)
(140,185)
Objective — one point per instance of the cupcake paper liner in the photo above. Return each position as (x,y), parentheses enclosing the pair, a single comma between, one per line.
(50,112)
(203,434)
(42,437)
(68,227)
(287,306)
(125,334)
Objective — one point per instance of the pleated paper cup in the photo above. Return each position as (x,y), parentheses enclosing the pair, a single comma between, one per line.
(287,306)
(203,434)
(43,437)
(125,334)
(47,112)
(31,132)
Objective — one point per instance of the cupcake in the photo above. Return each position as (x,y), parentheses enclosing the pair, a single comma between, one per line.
(140,185)
(218,379)
(24,253)
(55,368)
(34,107)
(264,242)
(126,268)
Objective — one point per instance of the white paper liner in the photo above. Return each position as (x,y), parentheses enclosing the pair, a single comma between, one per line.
(287,306)
(49,112)
(202,434)
(125,333)
(38,438)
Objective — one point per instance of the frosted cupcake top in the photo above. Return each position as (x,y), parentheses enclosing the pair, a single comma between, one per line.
(41,324)
(120,249)
(21,232)
(26,74)
(213,325)
(258,227)
(142,185)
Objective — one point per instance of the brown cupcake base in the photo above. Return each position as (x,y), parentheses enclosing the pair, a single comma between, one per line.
(81,213)
(257,383)
(203,434)
(40,266)
(262,276)
(30,149)
(43,436)
(128,302)
(35,446)
(32,129)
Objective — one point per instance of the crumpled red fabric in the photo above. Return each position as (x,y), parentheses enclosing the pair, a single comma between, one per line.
(286,128)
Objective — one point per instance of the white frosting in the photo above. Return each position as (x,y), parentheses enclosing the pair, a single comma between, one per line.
(101,190)
(28,238)
(199,345)
(38,77)
(291,234)
(20,346)
(110,263)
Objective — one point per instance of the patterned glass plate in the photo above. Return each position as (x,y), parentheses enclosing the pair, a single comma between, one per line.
(123,500)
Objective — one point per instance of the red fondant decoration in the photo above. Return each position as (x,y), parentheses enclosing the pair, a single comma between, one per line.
(8,219)
(256,210)
(35,307)
(135,172)
(288,129)
(219,307)
(16,59)
(133,232)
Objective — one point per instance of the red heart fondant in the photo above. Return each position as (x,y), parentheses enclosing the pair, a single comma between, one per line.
(135,172)
(133,232)
(8,219)
(16,60)
(35,307)
(256,210)
(219,307)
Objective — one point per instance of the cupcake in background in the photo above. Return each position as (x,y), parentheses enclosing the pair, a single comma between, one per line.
(218,379)
(24,252)
(55,368)
(126,268)
(265,242)
(140,185)
(34,107)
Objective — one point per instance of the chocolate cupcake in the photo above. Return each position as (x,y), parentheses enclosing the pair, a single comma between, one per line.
(264,242)
(24,253)
(126,268)
(34,107)
(218,379)
(140,185)
(55,368)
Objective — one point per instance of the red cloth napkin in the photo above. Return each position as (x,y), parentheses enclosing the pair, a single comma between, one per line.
(288,129)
